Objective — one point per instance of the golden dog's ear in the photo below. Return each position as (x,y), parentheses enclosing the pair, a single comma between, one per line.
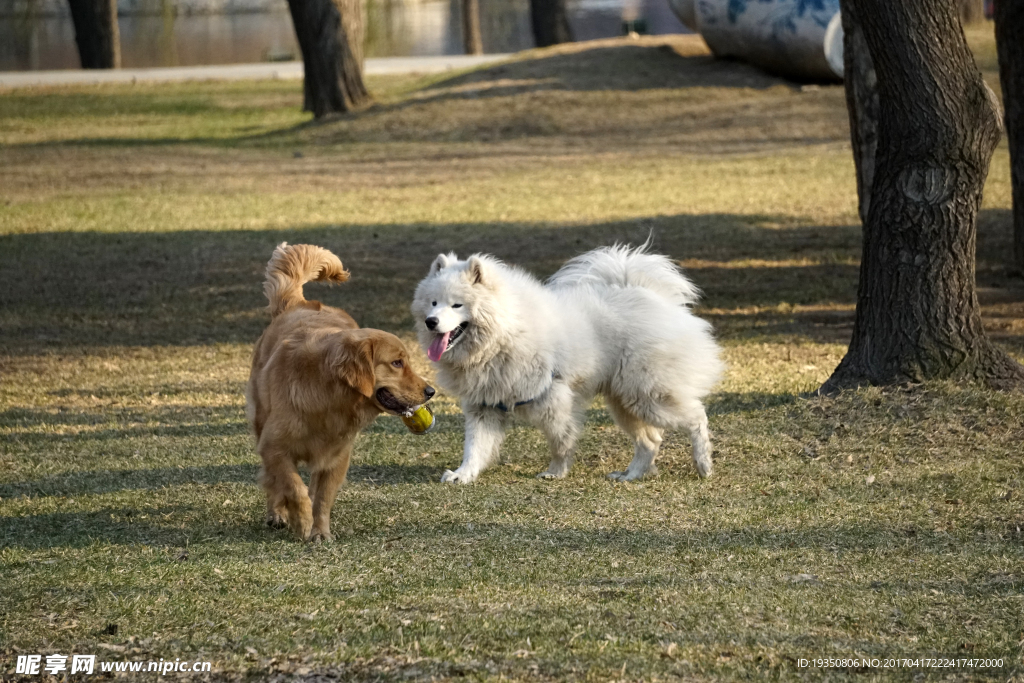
(355,366)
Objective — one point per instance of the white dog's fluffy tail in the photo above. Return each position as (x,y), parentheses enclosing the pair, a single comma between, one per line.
(293,266)
(624,266)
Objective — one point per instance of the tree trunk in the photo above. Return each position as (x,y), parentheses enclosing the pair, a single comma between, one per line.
(550,21)
(917,310)
(330,35)
(99,42)
(354,22)
(972,10)
(861,102)
(471,39)
(1010,42)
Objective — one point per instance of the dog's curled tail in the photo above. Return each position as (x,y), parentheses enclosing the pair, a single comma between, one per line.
(294,265)
(625,266)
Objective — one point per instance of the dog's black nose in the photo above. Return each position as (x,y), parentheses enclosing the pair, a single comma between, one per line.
(429,392)
(431,322)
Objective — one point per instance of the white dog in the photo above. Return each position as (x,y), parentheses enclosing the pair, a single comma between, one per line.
(614,321)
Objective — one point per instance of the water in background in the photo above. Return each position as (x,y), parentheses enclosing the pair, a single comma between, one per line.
(394,28)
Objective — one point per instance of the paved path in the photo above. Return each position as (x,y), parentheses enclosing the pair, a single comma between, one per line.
(236,72)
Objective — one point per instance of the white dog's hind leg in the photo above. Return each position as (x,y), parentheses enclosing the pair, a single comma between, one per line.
(648,443)
(696,421)
(647,439)
(561,420)
(484,434)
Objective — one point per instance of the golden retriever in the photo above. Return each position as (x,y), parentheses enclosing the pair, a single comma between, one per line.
(317,379)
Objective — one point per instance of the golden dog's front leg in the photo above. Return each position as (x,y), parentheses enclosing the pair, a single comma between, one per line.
(277,513)
(287,497)
(324,485)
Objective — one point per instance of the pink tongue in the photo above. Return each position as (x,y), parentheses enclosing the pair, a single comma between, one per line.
(438,347)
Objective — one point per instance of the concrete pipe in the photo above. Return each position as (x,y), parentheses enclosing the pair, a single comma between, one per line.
(799,39)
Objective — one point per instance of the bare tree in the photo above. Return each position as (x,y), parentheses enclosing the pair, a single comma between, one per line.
(917,315)
(1010,42)
(96,33)
(550,21)
(471,38)
(330,35)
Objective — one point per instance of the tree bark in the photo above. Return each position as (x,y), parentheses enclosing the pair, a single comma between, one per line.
(471,38)
(353,20)
(1009,18)
(96,33)
(917,309)
(550,21)
(861,102)
(330,36)
(972,10)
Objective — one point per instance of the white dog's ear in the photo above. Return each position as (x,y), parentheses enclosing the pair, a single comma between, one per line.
(441,262)
(476,271)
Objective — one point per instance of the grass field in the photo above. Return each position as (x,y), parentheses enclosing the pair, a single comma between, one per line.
(135,222)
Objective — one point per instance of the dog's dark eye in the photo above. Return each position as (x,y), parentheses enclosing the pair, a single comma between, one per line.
(397,364)
(433,303)
(456,305)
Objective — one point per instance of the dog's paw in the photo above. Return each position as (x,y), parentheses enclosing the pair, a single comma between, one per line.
(301,527)
(704,467)
(320,536)
(630,475)
(457,477)
(547,475)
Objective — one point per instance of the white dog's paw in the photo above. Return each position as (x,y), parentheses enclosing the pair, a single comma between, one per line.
(630,475)
(548,475)
(704,467)
(457,477)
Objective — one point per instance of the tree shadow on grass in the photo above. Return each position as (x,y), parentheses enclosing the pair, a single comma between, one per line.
(664,62)
(727,402)
(115,424)
(187,288)
(763,276)
(658,93)
(173,526)
(392,473)
(653,62)
(99,482)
